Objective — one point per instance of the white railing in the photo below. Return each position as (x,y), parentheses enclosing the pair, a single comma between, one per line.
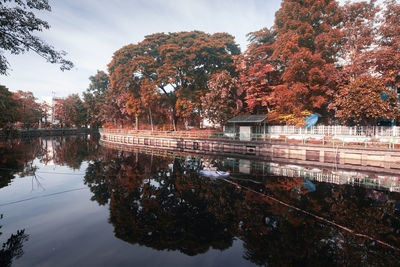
(390,131)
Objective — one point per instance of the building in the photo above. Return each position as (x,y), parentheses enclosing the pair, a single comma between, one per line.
(245,126)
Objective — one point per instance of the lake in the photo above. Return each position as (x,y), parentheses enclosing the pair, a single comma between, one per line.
(74,202)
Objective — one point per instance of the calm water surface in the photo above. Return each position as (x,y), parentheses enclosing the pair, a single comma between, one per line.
(73,202)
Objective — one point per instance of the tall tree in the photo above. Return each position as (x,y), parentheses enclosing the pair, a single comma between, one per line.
(173,68)
(359,32)
(125,90)
(224,100)
(306,48)
(95,98)
(370,48)
(18,23)
(258,72)
(388,52)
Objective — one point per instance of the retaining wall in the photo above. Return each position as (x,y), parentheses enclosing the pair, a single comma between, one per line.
(377,160)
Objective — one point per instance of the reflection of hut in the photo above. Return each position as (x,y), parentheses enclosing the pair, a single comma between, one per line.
(246,125)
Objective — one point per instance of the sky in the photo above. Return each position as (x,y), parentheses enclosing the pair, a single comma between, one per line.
(90,31)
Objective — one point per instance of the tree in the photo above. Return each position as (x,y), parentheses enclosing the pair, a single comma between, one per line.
(306,48)
(18,22)
(224,100)
(387,56)
(364,100)
(169,68)
(71,111)
(45,109)
(370,47)
(95,98)
(359,31)
(288,70)
(29,111)
(258,72)
(8,105)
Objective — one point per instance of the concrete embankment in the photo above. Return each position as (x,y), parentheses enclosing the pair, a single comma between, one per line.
(366,159)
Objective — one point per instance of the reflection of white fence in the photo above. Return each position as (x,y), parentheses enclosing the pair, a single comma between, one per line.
(391,183)
(336,130)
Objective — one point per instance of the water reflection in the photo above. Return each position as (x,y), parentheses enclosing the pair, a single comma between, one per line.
(163,203)
(282,214)
(17,156)
(154,202)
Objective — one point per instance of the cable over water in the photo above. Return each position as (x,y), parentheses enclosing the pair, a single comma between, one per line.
(344,228)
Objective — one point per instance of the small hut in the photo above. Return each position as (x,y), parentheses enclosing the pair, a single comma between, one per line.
(246,125)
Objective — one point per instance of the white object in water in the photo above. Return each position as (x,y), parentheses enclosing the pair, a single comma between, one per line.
(214,174)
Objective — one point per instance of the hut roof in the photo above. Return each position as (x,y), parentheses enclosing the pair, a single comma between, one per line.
(248,119)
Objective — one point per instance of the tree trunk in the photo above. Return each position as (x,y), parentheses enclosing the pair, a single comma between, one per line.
(151,119)
(136,122)
(174,119)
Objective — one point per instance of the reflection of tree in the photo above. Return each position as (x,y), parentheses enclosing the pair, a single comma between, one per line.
(103,173)
(163,204)
(73,150)
(17,155)
(12,248)
(16,158)
(157,207)
(276,235)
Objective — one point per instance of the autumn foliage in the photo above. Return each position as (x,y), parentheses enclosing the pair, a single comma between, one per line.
(169,73)
(71,112)
(387,56)
(364,100)
(20,108)
(318,57)
(318,52)
(224,100)
(287,70)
